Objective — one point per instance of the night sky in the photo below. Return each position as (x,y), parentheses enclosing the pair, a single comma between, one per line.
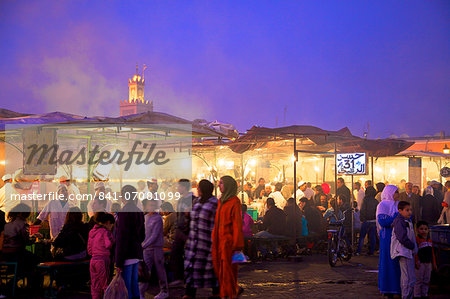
(330,63)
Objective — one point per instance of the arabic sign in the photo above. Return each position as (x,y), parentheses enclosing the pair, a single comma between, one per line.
(351,163)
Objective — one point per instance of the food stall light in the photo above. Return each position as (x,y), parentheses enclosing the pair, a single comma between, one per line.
(221,162)
(392,170)
(446,150)
(316,168)
(293,159)
(3,162)
(252,162)
(378,169)
(229,164)
(253,173)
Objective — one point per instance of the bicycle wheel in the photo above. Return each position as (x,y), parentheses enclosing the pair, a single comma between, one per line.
(346,252)
(332,252)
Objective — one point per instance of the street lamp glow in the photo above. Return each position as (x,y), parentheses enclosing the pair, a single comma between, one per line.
(446,150)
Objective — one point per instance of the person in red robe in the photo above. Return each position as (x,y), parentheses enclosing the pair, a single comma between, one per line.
(227,237)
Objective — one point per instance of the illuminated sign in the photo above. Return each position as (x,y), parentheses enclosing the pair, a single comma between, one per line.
(351,163)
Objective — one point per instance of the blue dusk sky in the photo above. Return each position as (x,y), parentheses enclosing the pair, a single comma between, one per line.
(329,64)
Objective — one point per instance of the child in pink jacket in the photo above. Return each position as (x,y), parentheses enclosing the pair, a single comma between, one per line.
(99,246)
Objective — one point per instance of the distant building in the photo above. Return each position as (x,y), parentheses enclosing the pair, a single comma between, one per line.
(136,102)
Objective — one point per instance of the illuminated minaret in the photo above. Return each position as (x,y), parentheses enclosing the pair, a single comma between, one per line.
(136,102)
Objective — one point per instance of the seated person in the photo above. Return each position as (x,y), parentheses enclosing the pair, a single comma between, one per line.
(278,196)
(16,238)
(71,242)
(323,202)
(169,223)
(313,216)
(293,219)
(333,213)
(274,221)
(247,222)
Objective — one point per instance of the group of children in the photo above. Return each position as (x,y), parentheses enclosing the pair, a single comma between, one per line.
(414,253)
(101,242)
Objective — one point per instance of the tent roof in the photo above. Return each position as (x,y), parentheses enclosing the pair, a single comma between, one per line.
(152,118)
(318,140)
(423,154)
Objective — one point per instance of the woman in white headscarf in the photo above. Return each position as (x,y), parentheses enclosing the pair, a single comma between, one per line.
(388,269)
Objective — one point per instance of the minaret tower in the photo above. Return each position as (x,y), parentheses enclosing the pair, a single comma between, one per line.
(136,102)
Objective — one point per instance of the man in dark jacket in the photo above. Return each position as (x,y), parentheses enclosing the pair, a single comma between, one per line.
(343,191)
(259,188)
(293,219)
(314,217)
(130,233)
(413,199)
(274,226)
(181,232)
(274,221)
(430,206)
(368,219)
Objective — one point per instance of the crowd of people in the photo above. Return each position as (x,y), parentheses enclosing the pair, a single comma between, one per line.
(203,232)
(202,236)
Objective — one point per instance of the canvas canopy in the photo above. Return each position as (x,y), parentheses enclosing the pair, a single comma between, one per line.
(316,140)
(152,118)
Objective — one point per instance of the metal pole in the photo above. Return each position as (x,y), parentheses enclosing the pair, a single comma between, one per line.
(89,167)
(295,170)
(295,185)
(353,218)
(335,170)
(217,173)
(242,178)
(324,167)
(371,164)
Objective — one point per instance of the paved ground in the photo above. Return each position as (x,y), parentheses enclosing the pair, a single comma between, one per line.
(310,278)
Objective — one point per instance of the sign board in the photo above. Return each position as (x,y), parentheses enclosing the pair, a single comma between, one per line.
(445,172)
(39,144)
(351,163)
(415,170)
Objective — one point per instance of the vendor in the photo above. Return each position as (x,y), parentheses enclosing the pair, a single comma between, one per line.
(259,188)
(6,179)
(55,211)
(301,190)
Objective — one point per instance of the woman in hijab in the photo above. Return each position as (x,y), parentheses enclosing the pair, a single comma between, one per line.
(199,271)
(388,269)
(227,238)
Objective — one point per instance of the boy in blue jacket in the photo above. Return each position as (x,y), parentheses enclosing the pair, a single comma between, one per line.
(403,247)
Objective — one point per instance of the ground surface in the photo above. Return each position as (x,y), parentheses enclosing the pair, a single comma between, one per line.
(312,277)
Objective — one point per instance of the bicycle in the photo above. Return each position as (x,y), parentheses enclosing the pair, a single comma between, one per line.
(338,245)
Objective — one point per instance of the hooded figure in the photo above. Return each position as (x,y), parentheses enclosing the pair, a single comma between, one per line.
(227,237)
(199,271)
(388,269)
(431,206)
